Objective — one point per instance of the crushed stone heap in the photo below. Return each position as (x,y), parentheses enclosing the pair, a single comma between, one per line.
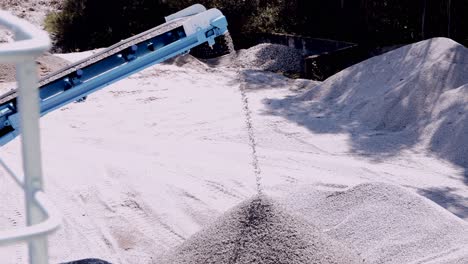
(385,223)
(261,231)
(270,57)
(399,88)
(420,89)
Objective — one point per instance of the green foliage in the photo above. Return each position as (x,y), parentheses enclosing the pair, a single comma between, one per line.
(246,16)
(87,24)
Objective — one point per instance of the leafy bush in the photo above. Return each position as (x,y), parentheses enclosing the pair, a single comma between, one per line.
(87,24)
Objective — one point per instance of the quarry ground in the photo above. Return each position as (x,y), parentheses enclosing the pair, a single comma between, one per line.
(370,164)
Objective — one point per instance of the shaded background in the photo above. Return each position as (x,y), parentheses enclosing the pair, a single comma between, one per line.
(88,24)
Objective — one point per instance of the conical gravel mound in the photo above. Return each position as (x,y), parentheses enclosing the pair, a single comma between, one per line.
(260,231)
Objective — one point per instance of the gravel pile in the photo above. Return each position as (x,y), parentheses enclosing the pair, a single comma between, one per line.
(261,231)
(420,89)
(262,57)
(270,57)
(384,223)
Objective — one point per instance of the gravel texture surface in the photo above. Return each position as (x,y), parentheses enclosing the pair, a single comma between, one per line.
(261,231)
(384,223)
(419,89)
(264,57)
(270,57)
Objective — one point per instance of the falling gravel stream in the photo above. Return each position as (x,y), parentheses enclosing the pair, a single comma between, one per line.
(250,131)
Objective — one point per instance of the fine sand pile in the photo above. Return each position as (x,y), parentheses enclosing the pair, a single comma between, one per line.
(419,88)
(261,231)
(384,223)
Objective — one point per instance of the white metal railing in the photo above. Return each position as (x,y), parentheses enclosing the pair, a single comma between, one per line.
(41,217)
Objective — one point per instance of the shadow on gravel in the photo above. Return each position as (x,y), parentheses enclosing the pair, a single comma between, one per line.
(445,197)
(382,123)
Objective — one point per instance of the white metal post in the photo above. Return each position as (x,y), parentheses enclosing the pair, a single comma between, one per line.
(29,120)
(41,218)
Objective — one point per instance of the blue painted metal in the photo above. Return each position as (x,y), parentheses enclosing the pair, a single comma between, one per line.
(78,84)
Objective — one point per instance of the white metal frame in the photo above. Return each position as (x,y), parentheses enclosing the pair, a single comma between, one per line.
(41,217)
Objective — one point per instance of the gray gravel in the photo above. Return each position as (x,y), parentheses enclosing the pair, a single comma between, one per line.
(261,231)
(420,89)
(270,57)
(384,223)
